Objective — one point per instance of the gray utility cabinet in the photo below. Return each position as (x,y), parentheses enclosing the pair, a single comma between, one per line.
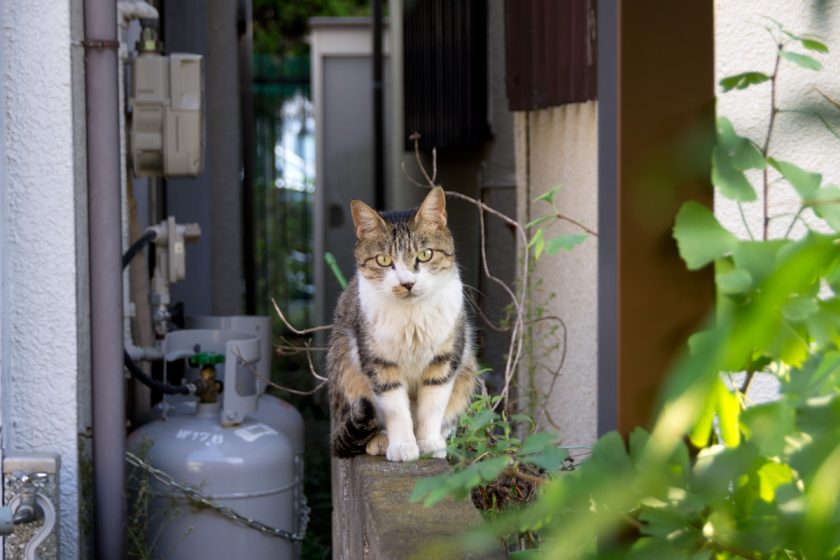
(342,93)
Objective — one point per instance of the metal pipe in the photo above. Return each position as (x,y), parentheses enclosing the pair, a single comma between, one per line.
(378,110)
(103,167)
(246,108)
(608,60)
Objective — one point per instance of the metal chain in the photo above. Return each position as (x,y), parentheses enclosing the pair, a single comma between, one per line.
(197,497)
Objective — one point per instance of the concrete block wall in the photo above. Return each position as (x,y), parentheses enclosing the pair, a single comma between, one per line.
(373,519)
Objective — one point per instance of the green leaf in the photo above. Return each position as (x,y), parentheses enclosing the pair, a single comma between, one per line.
(819,414)
(729,410)
(800,308)
(538,441)
(538,221)
(732,155)
(551,459)
(814,45)
(700,237)
(702,430)
(490,469)
(531,554)
(809,43)
(733,184)
(737,281)
(819,376)
(789,344)
(538,242)
(565,242)
(548,196)
(423,487)
(826,205)
(700,340)
(609,452)
(638,439)
(771,476)
(743,81)
(766,426)
(742,151)
(483,419)
(803,60)
(805,182)
(757,257)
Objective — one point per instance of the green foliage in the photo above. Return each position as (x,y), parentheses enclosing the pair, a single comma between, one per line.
(731,157)
(280,26)
(562,242)
(715,478)
(803,60)
(700,237)
(743,81)
(484,447)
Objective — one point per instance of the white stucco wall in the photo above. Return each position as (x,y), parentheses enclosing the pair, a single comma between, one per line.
(561,148)
(40,361)
(743,44)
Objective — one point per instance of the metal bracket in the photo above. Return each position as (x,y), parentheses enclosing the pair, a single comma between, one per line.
(31,485)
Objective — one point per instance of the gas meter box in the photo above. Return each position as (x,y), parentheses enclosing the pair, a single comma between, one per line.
(167,100)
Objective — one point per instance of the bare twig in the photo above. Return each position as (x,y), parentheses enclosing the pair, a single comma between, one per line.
(516,344)
(257,374)
(565,218)
(293,329)
(480,312)
(774,110)
(516,473)
(312,366)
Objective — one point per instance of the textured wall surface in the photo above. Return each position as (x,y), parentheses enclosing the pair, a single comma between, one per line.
(743,44)
(40,373)
(559,146)
(373,518)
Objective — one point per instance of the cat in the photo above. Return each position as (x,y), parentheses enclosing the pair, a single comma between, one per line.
(400,363)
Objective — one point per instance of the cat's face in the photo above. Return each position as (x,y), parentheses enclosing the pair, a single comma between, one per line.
(405,255)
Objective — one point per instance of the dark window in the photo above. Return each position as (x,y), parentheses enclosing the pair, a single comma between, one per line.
(445,72)
(551,53)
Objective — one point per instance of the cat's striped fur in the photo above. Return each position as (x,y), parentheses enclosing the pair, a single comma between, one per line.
(400,364)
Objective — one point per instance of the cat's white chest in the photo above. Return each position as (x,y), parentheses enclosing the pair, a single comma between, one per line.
(410,334)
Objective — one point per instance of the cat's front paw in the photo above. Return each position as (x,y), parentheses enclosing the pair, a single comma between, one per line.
(378,445)
(436,447)
(402,451)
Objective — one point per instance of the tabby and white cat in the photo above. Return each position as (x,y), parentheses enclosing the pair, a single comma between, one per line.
(400,363)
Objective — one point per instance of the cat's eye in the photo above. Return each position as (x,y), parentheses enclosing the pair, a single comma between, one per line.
(425,255)
(384,260)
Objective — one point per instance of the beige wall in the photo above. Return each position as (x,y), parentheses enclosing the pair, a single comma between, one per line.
(559,146)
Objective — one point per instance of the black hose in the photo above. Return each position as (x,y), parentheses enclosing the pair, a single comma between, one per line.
(138,246)
(147,380)
(133,368)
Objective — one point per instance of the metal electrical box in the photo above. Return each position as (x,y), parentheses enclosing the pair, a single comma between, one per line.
(167,102)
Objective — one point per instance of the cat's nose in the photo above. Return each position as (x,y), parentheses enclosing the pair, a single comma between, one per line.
(408,285)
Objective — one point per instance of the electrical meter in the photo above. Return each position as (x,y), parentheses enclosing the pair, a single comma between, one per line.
(167,101)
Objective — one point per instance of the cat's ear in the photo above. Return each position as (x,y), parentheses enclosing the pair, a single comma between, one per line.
(366,219)
(433,209)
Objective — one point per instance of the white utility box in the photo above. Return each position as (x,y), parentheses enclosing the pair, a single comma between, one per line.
(167,126)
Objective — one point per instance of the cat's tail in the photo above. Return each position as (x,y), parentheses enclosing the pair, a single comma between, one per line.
(355,425)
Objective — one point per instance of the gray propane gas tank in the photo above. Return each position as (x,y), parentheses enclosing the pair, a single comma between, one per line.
(271,410)
(248,468)
(286,419)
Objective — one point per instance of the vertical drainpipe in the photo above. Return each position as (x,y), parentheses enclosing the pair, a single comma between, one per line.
(104,210)
(378,110)
(247,124)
